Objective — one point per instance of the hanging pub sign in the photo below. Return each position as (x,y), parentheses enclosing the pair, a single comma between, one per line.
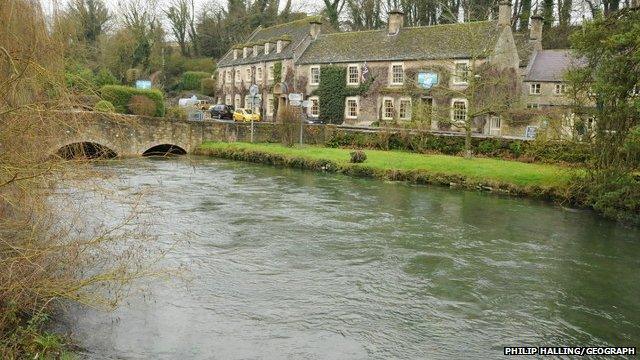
(427,79)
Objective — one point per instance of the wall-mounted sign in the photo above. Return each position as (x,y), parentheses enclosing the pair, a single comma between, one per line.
(253,90)
(427,79)
(295,97)
(143,84)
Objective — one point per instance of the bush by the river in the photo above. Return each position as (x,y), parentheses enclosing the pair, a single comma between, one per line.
(120,97)
(425,142)
(358,156)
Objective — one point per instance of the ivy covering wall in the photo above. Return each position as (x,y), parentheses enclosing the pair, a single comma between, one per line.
(333,90)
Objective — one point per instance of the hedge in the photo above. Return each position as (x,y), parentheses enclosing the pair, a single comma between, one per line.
(191,79)
(120,96)
(423,142)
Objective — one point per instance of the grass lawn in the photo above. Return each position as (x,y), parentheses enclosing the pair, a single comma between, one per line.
(481,169)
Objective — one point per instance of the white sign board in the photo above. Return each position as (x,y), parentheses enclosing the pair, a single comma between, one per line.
(253,90)
(295,103)
(295,97)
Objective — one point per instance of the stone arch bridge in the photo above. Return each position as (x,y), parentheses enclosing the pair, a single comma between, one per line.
(125,135)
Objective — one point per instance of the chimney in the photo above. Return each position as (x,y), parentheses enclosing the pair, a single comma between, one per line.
(504,13)
(395,22)
(315,27)
(535,33)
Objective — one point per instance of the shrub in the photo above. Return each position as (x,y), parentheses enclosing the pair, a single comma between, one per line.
(120,96)
(208,87)
(358,156)
(290,119)
(80,79)
(177,113)
(132,75)
(191,79)
(141,105)
(205,64)
(516,148)
(104,106)
(105,77)
(489,147)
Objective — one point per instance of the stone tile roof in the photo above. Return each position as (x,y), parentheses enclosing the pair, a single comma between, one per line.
(297,31)
(450,41)
(551,65)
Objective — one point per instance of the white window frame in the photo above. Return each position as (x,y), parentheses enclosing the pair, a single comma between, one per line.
(245,52)
(533,106)
(347,110)
(313,99)
(248,74)
(495,130)
(237,101)
(270,104)
(559,89)
(270,72)
(535,89)
(391,73)
(235,54)
(311,80)
(229,76)
(279,46)
(357,66)
(386,99)
(409,113)
(259,74)
(455,72)
(238,78)
(227,99)
(453,110)
(267,48)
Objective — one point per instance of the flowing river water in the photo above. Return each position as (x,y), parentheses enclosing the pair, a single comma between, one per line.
(287,264)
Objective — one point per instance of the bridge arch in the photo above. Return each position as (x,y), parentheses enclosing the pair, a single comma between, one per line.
(85,150)
(164,150)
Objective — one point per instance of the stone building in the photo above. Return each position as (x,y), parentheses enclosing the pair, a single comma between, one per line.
(266,59)
(390,74)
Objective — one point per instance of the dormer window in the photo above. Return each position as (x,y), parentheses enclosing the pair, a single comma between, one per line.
(279,46)
(255,50)
(267,48)
(235,54)
(245,52)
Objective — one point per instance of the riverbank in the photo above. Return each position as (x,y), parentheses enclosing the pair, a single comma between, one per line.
(542,181)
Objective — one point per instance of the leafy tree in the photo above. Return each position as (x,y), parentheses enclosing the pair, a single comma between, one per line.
(610,46)
(91,16)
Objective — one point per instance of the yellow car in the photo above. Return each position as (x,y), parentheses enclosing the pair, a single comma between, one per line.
(242,114)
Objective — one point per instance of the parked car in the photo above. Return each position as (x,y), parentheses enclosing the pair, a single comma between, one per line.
(312,119)
(242,114)
(221,111)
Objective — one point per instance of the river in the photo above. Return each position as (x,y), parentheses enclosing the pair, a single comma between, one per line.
(287,264)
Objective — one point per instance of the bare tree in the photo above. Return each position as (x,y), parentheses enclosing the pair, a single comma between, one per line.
(178,15)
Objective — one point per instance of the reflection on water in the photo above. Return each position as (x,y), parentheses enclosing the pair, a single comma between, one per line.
(298,265)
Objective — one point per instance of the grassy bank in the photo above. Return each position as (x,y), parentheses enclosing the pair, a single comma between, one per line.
(516,178)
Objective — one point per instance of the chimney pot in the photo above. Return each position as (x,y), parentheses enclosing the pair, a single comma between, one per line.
(504,13)
(535,33)
(395,22)
(315,28)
